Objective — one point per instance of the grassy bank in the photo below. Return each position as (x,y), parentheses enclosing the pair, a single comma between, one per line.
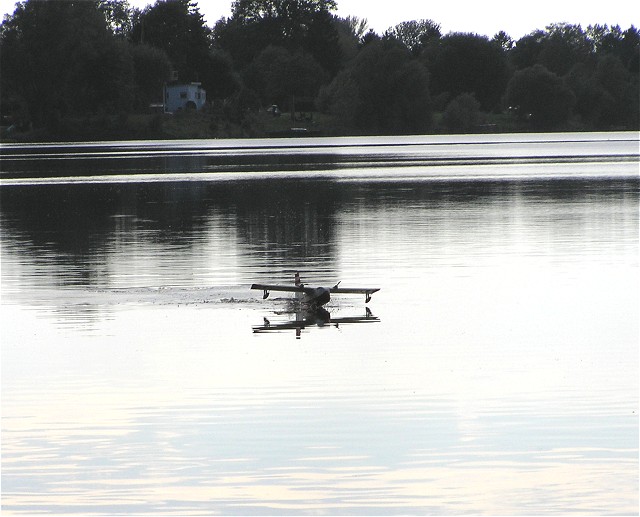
(211,125)
(184,125)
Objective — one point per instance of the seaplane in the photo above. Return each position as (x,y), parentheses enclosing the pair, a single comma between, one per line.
(314,296)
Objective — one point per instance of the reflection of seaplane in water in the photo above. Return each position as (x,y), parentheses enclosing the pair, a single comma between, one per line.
(313,317)
(314,296)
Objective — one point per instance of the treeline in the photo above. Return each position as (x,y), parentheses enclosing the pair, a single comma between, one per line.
(63,61)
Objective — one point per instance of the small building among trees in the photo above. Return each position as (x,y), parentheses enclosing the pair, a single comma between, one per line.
(181,97)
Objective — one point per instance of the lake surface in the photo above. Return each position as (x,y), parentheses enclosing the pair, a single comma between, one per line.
(495,372)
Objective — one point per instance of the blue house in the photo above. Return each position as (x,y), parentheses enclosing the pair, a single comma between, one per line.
(181,97)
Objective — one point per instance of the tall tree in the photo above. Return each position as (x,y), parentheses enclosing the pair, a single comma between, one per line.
(357,27)
(385,90)
(462,114)
(278,75)
(298,25)
(613,40)
(350,31)
(503,40)
(468,63)
(564,46)
(622,95)
(294,10)
(540,96)
(178,28)
(152,69)
(558,48)
(415,34)
(118,15)
(61,59)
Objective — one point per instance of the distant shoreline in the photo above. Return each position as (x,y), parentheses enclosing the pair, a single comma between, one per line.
(185,126)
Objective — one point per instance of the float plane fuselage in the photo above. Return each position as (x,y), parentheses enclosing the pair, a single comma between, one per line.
(314,296)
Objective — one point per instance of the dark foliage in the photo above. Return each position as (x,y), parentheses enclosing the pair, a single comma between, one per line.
(177,27)
(277,75)
(462,114)
(299,26)
(416,35)
(384,91)
(468,63)
(538,95)
(62,61)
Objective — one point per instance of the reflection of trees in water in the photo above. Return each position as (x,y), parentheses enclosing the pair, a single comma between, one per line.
(58,229)
(78,235)
(73,232)
(288,223)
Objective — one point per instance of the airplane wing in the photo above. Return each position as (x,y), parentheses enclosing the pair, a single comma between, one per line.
(355,290)
(277,287)
(367,291)
(301,289)
(266,288)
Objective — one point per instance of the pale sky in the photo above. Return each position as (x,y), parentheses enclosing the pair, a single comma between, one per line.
(483,17)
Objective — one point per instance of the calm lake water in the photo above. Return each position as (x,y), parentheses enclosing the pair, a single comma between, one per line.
(496,371)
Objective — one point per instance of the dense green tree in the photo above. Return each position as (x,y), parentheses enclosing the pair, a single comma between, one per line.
(152,69)
(629,50)
(540,96)
(625,45)
(415,34)
(589,96)
(292,13)
(242,41)
(503,40)
(218,75)
(60,59)
(468,63)
(178,28)
(558,48)
(384,91)
(604,38)
(525,51)
(563,46)
(297,25)
(350,32)
(118,14)
(462,114)
(278,75)
(623,99)
(357,27)
(370,37)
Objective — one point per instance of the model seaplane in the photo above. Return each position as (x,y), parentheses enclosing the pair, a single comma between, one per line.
(314,296)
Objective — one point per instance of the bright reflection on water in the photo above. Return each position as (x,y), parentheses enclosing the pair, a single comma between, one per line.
(496,371)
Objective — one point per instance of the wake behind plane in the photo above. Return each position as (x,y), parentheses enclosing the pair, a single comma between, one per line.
(314,296)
